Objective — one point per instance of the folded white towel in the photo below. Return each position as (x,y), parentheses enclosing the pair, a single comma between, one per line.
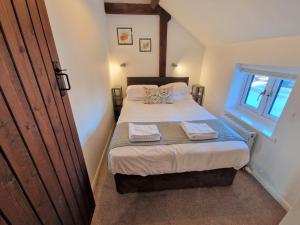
(141,133)
(198,131)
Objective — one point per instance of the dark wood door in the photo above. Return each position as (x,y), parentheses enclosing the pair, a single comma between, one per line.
(43,176)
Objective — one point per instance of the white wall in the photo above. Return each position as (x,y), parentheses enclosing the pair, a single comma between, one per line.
(138,63)
(275,162)
(182,48)
(79,29)
(185,50)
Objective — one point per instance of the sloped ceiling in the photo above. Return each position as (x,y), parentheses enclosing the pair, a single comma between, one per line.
(228,21)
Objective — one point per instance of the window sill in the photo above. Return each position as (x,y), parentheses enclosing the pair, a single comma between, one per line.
(262,125)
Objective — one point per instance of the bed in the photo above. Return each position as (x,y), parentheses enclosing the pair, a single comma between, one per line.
(174,166)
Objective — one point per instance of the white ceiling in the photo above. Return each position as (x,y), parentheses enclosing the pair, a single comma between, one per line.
(228,21)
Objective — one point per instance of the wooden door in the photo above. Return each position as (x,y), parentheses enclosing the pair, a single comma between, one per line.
(43,176)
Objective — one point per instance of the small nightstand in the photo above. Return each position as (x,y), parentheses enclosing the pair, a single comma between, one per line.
(198,93)
(117,97)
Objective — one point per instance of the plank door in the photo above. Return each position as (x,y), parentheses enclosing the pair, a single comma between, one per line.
(43,177)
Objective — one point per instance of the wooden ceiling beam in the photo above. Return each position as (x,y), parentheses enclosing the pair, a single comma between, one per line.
(129,9)
(146,9)
(154,3)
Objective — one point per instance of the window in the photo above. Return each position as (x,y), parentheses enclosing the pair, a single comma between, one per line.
(257,86)
(266,96)
(282,95)
(259,94)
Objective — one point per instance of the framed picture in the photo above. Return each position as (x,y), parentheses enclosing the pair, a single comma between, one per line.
(145,44)
(124,36)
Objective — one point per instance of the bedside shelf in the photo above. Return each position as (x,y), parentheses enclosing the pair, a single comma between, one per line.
(117,97)
(198,93)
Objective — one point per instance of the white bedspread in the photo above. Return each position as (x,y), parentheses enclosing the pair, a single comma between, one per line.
(160,159)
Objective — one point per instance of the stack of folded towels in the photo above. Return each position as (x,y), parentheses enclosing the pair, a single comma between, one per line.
(143,133)
(198,131)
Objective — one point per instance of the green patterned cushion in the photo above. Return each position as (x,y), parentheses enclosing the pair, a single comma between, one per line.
(158,95)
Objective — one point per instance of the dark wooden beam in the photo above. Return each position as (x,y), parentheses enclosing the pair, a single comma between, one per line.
(146,9)
(129,9)
(154,3)
(163,37)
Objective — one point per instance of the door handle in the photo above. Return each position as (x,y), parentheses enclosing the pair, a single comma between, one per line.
(62,75)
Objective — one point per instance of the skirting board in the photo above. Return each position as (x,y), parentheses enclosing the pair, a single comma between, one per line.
(269,189)
(102,157)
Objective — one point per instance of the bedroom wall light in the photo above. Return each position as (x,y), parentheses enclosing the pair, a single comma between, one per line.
(123,64)
(174,65)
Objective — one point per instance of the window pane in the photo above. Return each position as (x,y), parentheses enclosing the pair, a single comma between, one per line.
(281,98)
(258,85)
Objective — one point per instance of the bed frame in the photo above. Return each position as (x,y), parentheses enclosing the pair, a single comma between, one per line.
(208,178)
(155,80)
(135,183)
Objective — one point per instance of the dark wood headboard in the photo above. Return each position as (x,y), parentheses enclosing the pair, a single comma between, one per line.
(156,80)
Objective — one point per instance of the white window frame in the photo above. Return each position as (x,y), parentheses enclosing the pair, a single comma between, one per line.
(265,106)
(272,98)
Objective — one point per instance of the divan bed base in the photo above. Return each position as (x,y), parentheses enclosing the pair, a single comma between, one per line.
(208,178)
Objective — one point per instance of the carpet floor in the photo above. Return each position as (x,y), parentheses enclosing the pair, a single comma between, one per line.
(244,203)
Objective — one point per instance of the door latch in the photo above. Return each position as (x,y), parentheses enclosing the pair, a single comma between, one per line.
(62,78)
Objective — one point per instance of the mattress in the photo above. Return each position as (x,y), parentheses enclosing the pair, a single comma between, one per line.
(175,158)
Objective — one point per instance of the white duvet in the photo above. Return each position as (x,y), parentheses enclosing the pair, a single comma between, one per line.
(177,158)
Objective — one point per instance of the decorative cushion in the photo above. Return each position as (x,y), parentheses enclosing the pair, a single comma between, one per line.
(161,95)
(136,92)
(179,88)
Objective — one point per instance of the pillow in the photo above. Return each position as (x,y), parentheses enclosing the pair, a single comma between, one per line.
(161,95)
(179,88)
(136,92)
(181,97)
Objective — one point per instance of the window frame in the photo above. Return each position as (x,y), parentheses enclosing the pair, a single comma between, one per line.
(272,99)
(264,124)
(268,99)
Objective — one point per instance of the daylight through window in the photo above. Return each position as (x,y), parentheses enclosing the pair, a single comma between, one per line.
(266,96)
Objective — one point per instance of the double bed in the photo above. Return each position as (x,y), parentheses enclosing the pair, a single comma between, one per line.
(172,166)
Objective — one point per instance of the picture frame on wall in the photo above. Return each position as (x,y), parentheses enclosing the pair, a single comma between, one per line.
(145,44)
(124,36)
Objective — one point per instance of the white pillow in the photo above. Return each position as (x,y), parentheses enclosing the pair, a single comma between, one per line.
(179,88)
(181,97)
(136,92)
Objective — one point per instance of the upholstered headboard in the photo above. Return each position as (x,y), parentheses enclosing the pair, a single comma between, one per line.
(155,80)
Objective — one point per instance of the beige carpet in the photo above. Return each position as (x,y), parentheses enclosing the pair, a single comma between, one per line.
(243,203)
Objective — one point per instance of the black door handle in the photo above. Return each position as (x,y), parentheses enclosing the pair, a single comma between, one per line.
(61,75)
(60,78)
